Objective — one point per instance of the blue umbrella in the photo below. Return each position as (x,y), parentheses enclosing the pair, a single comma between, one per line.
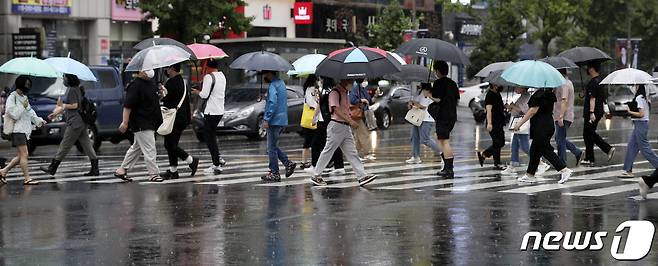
(306,65)
(533,74)
(67,65)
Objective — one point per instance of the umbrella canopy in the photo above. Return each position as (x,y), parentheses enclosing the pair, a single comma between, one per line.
(412,73)
(260,61)
(559,62)
(306,65)
(484,72)
(206,51)
(156,57)
(496,79)
(533,74)
(30,66)
(67,65)
(584,55)
(397,57)
(628,76)
(163,41)
(434,49)
(358,62)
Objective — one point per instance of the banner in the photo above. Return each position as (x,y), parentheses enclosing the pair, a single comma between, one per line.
(126,10)
(41,7)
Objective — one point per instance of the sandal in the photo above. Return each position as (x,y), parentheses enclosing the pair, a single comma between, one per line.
(3,178)
(156,178)
(30,182)
(123,176)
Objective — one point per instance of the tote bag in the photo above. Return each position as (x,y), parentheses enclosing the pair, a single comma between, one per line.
(8,122)
(524,129)
(307,117)
(371,120)
(169,116)
(415,116)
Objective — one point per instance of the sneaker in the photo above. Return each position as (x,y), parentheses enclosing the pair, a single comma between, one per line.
(370,157)
(309,170)
(317,180)
(194,166)
(480,159)
(305,165)
(527,179)
(413,160)
(510,170)
(543,167)
(222,162)
(625,174)
(290,169)
(217,169)
(271,177)
(169,175)
(498,167)
(586,162)
(366,179)
(611,153)
(363,160)
(579,159)
(339,171)
(644,188)
(565,175)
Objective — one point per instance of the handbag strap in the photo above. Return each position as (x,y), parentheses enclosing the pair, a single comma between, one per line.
(212,85)
(182,99)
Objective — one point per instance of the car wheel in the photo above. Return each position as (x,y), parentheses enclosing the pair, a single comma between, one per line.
(93,136)
(385,121)
(261,132)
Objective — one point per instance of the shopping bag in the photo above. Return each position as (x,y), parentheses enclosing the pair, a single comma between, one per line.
(307,117)
(371,120)
(524,129)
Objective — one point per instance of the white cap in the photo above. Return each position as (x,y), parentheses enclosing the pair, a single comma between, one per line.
(150,73)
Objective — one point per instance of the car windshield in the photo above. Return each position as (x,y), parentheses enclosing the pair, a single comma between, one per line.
(242,95)
(48,87)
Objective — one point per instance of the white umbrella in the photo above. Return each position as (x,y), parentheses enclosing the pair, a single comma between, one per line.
(157,57)
(484,72)
(628,76)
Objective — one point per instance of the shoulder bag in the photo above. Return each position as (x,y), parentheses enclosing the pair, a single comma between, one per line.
(524,129)
(169,116)
(8,122)
(415,116)
(307,116)
(356,111)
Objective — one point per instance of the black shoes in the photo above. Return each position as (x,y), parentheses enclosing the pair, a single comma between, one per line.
(195,166)
(318,181)
(366,179)
(447,171)
(94,168)
(290,169)
(498,167)
(271,177)
(480,159)
(170,175)
(305,165)
(52,168)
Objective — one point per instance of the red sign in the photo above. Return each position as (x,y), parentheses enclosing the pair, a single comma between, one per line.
(303,13)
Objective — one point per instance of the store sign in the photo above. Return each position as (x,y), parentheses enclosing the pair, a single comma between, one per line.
(26,44)
(471,29)
(126,10)
(267,12)
(41,7)
(303,13)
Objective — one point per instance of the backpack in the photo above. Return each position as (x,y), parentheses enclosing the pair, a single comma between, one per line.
(87,110)
(324,104)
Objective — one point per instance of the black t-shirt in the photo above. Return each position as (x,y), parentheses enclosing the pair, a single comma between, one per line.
(143,100)
(175,87)
(497,108)
(446,90)
(594,90)
(542,122)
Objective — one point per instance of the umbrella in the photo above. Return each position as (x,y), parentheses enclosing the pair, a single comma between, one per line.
(397,57)
(206,51)
(163,41)
(559,62)
(157,57)
(306,65)
(30,66)
(494,78)
(67,65)
(533,74)
(412,73)
(584,55)
(493,67)
(628,76)
(358,62)
(434,49)
(260,61)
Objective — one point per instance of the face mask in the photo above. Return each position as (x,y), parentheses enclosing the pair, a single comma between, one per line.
(364,84)
(150,73)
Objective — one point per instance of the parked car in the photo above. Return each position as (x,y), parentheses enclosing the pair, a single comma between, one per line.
(620,95)
(244,109)
(468,94)
(478,109)
(390,104)
(107,94)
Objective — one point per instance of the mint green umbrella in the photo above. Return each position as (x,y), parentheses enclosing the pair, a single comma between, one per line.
(306,65)
(533,74)
(29,66)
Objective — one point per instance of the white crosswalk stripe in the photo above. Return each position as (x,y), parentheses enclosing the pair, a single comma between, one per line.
(554,186)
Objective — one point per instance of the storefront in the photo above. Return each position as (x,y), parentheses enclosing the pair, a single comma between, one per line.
(272,18)
(125,31)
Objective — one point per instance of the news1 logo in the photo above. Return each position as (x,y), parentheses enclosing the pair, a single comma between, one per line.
(636,244)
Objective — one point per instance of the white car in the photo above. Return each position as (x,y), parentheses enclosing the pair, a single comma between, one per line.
(468,94)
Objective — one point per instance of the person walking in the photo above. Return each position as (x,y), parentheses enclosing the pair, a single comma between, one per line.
(422,134)
(520,139)
(213,92)
(141,114)
(76,128)
(311,99)
(445,96)
(563,115)
(339,134)
(275,121)
(638,142)
(360,98)
(320,136)
(540,114)
(495,108)
(175,92)
(18,108)
(593,112)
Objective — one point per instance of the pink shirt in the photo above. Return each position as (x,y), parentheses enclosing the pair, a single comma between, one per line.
(564,92)
(340,101)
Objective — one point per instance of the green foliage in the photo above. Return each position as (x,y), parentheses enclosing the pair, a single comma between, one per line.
(386,32)
(551,20)
(187,20)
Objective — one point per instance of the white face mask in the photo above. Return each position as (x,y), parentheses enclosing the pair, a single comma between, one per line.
(364,84)
(150,73)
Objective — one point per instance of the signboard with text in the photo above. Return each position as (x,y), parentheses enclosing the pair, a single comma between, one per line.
(303,13)
(26,44)
(41,7)
(126,10)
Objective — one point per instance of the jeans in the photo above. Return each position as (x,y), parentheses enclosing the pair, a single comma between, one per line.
(273,152)
(497,143)
(339,135)
(563,143)
(519,141)
(639,143)
(210,127)
(592,138)
(423,134)
(174,152)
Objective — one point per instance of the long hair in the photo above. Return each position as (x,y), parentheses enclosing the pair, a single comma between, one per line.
(311,81)
(21,82)
(328,83)
(641,91)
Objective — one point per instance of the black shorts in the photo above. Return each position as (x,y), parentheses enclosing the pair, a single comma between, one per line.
(18,139)
(308,134)
(443,129)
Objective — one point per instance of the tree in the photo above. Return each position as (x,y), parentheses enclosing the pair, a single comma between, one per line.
(551,20)
(386,32)
(500,38)
(185,21)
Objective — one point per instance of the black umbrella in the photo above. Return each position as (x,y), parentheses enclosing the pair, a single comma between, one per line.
(434,49)
(357,62)
(163,41)
(584,55)
(261,61)
(559,62)
(412,73)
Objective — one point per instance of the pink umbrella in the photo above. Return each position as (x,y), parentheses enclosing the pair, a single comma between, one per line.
(206,51)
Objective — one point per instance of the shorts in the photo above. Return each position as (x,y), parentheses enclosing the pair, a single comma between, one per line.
(18,139)
(308,137)
(443,129)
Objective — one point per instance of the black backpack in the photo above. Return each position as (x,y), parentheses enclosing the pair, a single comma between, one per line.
(324,104)
(87,110)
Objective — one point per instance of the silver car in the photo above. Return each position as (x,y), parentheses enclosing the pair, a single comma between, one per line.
(620,95)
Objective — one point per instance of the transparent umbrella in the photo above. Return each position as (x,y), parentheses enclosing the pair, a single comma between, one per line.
(157,57)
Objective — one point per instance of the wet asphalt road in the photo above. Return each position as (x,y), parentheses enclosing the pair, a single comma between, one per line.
(407,216)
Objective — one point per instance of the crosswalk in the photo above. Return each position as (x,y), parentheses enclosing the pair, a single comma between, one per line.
(395,175)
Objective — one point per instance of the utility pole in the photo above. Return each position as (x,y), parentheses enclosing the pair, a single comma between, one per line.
(629,58)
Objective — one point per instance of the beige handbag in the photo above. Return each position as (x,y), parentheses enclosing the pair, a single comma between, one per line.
(169,116)
(8,122)
(415,116)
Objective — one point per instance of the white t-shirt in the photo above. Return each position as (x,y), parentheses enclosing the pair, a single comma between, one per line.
(311,97)
(424,101)
(215,105)
(642,104)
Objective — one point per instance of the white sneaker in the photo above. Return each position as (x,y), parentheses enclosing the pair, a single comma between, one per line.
(565,175)
(625,174)
(611,153)
(644,188)
(413,160)
(509,171)
(543,167)
(310,170)
(370,157)
(527,179)
(362,159)
(339,171)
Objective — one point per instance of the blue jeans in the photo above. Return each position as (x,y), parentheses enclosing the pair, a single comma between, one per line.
(639,143)
(273,152)
(519,141)
(423,134)
(563,143)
